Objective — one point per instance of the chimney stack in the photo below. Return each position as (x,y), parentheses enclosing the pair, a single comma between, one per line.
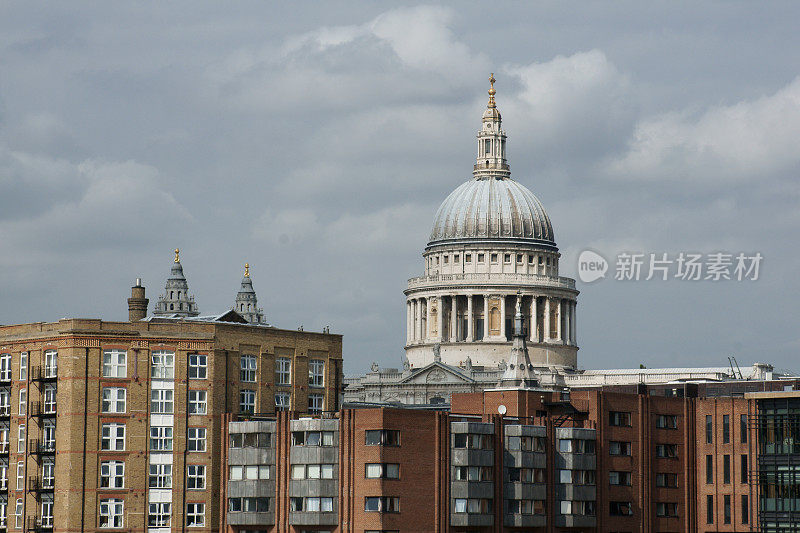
(137,303)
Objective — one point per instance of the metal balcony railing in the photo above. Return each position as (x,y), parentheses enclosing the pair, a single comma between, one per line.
(40,484)
(45,410)
(38,447)
(44,373)
(40,523)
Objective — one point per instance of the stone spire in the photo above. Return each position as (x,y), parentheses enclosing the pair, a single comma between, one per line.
(491,161)
(519,371)
(176,300)
(246,302)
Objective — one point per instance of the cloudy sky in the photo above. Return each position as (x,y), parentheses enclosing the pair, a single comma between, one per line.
(316,140)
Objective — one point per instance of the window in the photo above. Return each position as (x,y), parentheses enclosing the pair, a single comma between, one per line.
(316,373)
(111,513)
(387,471)
(239,472)
(526,507)
(113,437)
(5,367)
(115,364)
(3,475)
(468,258)
(446,259)
(743,468)
(198,366)
(726,469)
(254,440)
(4,437)
(163,365)
(160,438)
(619,418)
(197,439)
(247,401)
(283,371)
(709,509)
(743,429)
(620,508)
(47,511)
(474,441)
(709,432)
(709,469)
(480,258)
(726,429)
(667,480)
(248,368)
(113,400)
(506,258)
(530,259)
(197,402)
(158,514)
(312,438)
(382,437)
(21,438)
(195,514)
(494,258)
(667,451)
(619,478)
(50,364)
(315,403)
(460,473)
(565,445)
(527,444)
(196,475)
(3,512)
(726,508)
(23,401)
(21,475)
(311,505)
(382,504)
(619,448)
(112,475)
(745,510)
(18,514)
(48,473)
(5,402)
(161,401)
(160,477)
(667,422)
(23,373)
(49,398)
(252,505)
(666,509)
(283,401)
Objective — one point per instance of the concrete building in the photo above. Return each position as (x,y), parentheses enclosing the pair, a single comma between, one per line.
(119,425)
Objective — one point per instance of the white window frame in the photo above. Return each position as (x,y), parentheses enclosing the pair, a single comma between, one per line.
(196,477)
(195,514)
(3,512)
(23,366)
(5,402)
(18,507)
(162,474)
(162,401)
(5,367)
(315,403)
(23,402)
(115,437)
(21,434)
(161,438)
(49,394)
(3,474)
(197,439)
(112,475)
(112,513)
(21,475)
(51,364)
(48,472)
(283,401)
(49,435)
(159,514)
(198,366)
(248,368)
(316,373)
(115,363)
(114,400)
(247,397)
(162,364)
(5,435)
(283,371)
(47,510)
(198,404)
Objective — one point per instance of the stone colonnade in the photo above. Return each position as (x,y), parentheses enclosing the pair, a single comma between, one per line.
(463,318)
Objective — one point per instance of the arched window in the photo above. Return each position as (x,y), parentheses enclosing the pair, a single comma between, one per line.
(171,307)
(437,400)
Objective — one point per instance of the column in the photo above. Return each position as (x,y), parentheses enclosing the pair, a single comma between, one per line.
(427,325)
(414,319)
(567,320)
(485,316)
(453,318)
(470,320)
(557,309)
(408,322)
(533,321)
(439,319)
(574,323)
(546,319)
(503,315)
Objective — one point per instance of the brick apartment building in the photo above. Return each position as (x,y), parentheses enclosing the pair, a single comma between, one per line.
(652,460)
(118,425)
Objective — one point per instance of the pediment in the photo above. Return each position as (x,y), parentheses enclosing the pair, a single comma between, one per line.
(437,373)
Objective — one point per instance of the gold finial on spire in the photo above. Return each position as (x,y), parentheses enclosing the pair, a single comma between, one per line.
(492,92)
(177,255)
(247,270)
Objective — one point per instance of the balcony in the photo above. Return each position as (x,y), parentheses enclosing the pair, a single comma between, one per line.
(5,412)
(38,409)
(39,484)
(4,448)
(39,523)
(5,377)
(484,278)
(37,447)
(44,373)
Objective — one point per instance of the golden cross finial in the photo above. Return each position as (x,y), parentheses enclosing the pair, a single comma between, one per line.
(247,270)
(492,92)
(177,255)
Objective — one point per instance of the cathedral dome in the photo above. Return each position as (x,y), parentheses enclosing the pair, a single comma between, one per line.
(493,208)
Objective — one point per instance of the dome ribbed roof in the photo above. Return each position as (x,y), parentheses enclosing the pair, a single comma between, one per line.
(492,209)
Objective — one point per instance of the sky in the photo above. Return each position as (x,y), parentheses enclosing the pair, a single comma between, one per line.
(316,140)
